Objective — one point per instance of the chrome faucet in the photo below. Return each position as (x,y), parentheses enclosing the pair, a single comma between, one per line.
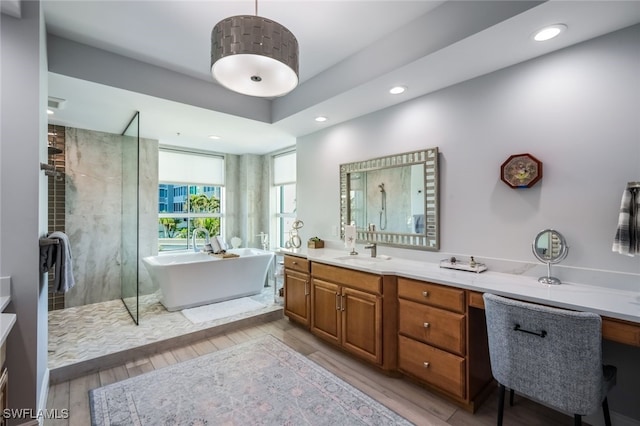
(195,233)
(374,249)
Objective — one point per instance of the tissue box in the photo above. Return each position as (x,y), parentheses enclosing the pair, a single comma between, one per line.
(315,244)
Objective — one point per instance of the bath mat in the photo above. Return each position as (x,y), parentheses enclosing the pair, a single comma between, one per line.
(219,310)
(259,382)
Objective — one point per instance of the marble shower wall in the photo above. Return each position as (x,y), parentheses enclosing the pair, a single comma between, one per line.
(247,202)
(93,213)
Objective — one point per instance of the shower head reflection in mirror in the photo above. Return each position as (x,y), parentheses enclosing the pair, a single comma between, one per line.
(393,200)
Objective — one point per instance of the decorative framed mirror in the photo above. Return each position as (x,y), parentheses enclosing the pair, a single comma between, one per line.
(393,200)
(549,247)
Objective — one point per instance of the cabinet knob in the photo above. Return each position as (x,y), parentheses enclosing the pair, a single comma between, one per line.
(426,325)
(425,364)
(294,262)
(425,293)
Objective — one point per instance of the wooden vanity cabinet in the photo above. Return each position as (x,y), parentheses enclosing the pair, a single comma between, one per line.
(4,383)
(346,310)
(297,289)
(435,345)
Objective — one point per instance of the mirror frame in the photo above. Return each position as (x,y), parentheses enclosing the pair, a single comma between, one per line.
(564,249)
(430,239)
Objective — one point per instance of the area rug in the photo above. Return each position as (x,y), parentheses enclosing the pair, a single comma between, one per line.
(259,382)
(219,310)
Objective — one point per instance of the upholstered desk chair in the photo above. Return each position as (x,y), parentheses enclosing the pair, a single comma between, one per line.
(548,354)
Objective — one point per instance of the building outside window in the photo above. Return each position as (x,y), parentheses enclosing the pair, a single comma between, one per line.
(284,187)
(190,196)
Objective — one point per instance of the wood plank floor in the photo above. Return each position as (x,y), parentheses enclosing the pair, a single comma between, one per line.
(410,401)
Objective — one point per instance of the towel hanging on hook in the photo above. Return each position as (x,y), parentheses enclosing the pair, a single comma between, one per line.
(627,238)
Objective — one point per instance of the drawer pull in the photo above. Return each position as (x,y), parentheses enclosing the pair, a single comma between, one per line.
(425,293)
(426,325)
(425,364)
(294,262)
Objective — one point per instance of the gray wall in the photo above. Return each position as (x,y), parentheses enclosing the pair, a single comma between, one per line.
(93,213)
(23,190)
(576,110)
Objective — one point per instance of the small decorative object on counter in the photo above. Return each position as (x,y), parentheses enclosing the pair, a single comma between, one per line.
(315,243)
(472,266)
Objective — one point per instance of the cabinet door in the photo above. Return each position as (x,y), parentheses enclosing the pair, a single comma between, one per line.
(296,296)
(326,310)
(362,324)
(4,385)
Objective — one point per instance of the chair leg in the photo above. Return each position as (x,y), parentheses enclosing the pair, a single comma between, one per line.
(511,397)
(500,404)
(605,410)
(577,420)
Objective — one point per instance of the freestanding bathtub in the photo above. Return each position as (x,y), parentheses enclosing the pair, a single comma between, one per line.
(192,279)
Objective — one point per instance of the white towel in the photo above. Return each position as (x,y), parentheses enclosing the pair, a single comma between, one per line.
(627,238)
(350,236)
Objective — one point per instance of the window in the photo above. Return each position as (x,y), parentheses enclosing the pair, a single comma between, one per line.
(284,185)
(190,196)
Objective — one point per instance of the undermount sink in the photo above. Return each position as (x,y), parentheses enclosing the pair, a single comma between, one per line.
(363,260)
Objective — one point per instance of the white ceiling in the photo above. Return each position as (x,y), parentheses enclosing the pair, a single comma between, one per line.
(351,52)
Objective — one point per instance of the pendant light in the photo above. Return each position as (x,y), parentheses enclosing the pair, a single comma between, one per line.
(254,56)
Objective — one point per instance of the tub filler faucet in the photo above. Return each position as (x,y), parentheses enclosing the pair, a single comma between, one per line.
(194,235)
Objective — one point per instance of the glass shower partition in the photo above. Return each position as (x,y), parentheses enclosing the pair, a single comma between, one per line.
(130,217)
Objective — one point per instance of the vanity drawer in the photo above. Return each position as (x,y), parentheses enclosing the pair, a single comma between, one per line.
(434,326)
(432,294)
(355,279)
(296,263)
(438,368)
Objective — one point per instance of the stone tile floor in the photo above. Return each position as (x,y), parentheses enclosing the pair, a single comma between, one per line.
(86,332)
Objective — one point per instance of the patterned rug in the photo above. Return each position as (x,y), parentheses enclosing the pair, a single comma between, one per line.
(260,382)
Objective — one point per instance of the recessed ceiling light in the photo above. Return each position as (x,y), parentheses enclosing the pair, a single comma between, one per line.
(321,118)
(50,112)
(214,137)
(547,33)
(397,90)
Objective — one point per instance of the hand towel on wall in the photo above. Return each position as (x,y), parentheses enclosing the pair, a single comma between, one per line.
(627,238)
(350,236)
(63,279)
(47,257)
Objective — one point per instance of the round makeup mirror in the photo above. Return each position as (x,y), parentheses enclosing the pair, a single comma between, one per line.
(549,247)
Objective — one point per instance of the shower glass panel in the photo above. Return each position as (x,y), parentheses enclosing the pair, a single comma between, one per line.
(129,213)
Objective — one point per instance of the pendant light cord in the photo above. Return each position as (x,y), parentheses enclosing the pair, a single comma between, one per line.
(256,7)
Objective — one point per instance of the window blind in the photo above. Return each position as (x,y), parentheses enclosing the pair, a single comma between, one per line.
(190,168)
(284,168)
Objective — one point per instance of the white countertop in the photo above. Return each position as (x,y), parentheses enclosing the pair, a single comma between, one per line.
(6,323)
(6,320)
(613,303)
(4,301)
